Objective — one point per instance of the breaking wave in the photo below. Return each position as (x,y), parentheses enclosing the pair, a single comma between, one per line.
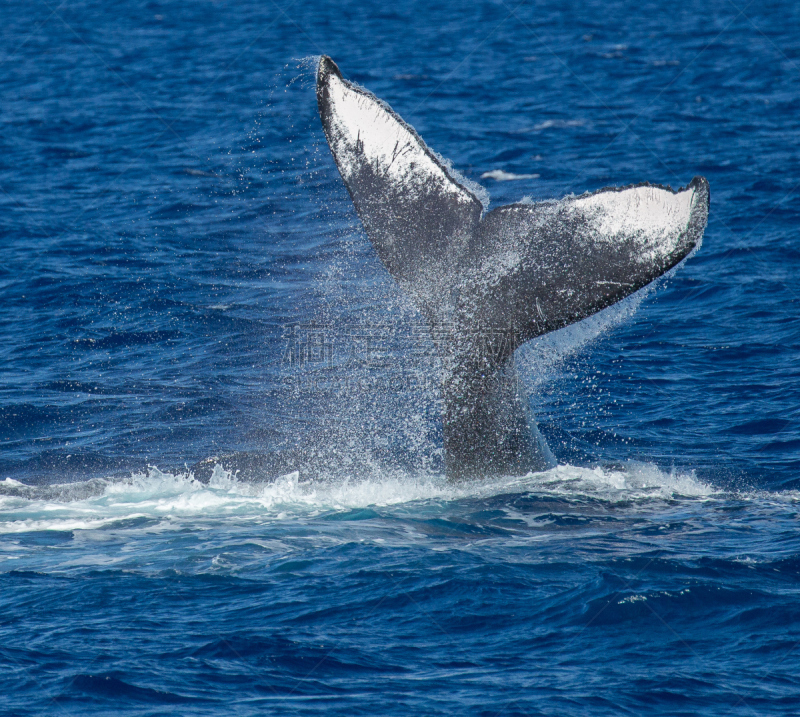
(178,498)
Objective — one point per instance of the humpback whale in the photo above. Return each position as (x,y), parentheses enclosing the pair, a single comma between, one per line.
(485,281)
(488,281)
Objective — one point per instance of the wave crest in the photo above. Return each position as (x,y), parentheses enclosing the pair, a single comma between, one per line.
(178,498)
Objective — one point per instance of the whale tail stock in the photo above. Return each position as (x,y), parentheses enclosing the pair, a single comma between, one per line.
(490,281)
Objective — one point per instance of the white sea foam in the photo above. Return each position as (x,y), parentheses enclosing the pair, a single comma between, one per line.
(177,499)
(500,175)
(558,124)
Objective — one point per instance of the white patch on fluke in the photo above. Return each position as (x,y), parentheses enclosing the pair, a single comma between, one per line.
(656,218)
(363,130)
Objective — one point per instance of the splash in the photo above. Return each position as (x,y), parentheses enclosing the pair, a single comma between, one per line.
(177,499)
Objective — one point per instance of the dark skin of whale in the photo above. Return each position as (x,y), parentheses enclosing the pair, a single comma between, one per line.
(485,281)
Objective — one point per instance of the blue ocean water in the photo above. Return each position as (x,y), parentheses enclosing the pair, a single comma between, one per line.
(184,275)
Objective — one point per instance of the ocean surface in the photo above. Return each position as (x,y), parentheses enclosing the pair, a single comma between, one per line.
(183,275)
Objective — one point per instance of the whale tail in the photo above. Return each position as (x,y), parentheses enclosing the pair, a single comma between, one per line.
(490,281)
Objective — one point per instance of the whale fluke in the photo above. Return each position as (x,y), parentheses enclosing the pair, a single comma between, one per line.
(490,281)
